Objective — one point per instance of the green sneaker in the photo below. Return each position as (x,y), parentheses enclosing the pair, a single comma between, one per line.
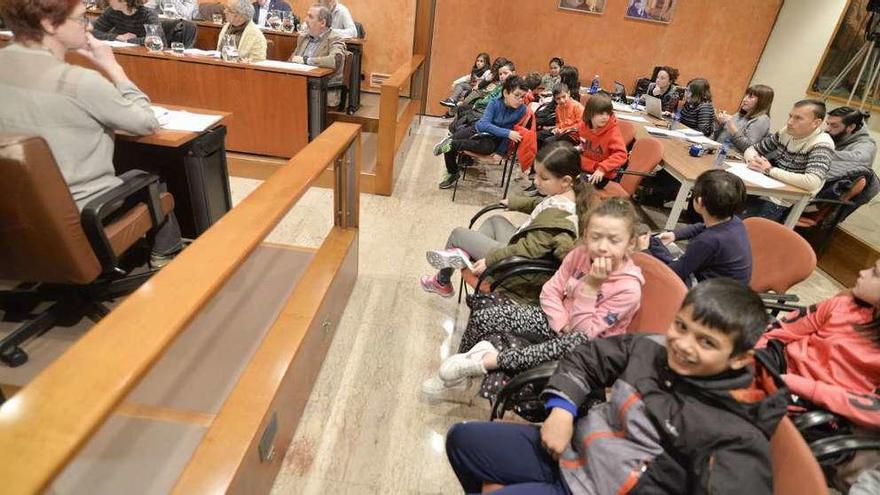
(444,146)
(448,180)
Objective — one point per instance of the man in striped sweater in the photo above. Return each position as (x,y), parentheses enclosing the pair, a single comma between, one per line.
(800,155)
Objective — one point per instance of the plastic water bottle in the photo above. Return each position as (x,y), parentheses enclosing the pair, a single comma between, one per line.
(594,86)
(722,154)
(635,103)
(676,117)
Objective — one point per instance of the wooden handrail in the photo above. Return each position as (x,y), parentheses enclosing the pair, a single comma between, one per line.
(44,425)
(401,76)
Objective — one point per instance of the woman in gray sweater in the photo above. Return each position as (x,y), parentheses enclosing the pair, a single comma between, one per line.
(751,123)
(76,110)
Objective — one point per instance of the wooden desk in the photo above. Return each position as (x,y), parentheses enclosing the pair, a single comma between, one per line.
(275,112)
(686,169)
(191,164)
(282,46)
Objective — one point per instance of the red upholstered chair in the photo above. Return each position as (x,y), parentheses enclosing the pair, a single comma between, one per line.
(780,258)
(646,154)
(818,226)
(628,131)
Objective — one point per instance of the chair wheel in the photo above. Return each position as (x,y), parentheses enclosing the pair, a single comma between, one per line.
(14,357)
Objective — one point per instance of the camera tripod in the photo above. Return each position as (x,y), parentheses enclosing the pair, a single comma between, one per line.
(869,55)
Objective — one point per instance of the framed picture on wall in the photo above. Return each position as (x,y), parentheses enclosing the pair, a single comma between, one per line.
(651,10)
(587,6)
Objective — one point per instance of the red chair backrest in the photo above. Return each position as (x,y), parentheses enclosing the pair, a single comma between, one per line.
(780,257)
(795,470)
(646,154)
(662,296)
(627,131)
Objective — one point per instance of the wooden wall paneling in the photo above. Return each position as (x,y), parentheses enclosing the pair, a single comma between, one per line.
(845,256)
(392,130)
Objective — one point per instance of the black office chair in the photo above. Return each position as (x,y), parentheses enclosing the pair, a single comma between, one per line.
(179,31)
(360,30)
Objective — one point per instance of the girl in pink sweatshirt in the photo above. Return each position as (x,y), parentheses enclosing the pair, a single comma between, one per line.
(595,293)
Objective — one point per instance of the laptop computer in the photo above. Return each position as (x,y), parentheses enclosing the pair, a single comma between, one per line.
(653,106)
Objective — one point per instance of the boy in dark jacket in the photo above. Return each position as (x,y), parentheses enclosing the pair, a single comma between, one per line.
(689,413)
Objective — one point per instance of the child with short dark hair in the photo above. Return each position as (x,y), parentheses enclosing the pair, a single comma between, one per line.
(533,82)
(603,151)
(719,245)
(686,414)
(568,116)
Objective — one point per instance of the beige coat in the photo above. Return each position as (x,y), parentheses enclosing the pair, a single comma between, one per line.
(330,53)
(251,46)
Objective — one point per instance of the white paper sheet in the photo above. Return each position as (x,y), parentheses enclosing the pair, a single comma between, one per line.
(285,65)
(742,171)
(202,53)
(118,44)
(687,131)
(665,132)
(632,117)
(162,114)
(621,107)
(701,139)
(181,120)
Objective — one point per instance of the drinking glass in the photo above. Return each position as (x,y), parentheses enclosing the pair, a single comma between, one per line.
(177,47)
(153,39)
(169,10)
(274,20)
(217,18)
(229,52)
(287,22)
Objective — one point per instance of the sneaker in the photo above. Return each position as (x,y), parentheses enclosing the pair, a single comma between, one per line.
(449,258)
(447,103)
(467,364)
(436,389)
(448,180)
(448,114)
(444,146)
(430,284)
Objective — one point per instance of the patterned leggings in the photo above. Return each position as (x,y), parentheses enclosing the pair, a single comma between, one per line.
(521,334)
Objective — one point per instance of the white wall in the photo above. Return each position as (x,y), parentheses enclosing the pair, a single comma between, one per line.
(795,48)
(802,31)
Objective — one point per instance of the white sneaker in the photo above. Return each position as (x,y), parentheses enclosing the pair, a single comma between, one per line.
(467,364)
(436,389)
(449,258)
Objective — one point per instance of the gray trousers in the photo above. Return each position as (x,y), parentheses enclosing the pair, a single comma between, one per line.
(494,233)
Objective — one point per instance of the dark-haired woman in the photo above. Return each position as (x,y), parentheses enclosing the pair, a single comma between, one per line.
(698,112)
(664,88)
(124,20)
(751,123)
(552,78)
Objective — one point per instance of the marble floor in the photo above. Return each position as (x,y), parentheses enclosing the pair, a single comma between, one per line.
(366,429)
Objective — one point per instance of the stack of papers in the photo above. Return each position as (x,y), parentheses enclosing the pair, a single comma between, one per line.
(285,65)
(621,107)
(203,53)
(118,44)
(181,120)
(665,132)
(701,139)
(742,171)
(631,117)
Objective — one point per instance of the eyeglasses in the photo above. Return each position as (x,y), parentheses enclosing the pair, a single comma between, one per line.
(80,19)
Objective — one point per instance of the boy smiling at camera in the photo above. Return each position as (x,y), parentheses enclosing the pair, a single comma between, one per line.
(686,413)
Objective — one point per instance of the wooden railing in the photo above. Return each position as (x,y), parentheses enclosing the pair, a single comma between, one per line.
(44,425)
(392,130)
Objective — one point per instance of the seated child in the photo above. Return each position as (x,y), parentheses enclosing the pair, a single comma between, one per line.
(551,229)
(500,117)
(677,419)
(595,293)
(719,245)
(603,151)
(533,83)
(568,116)
(552,78)
(829,356)
(464,84)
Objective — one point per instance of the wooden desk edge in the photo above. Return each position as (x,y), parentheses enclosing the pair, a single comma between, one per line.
(174,138)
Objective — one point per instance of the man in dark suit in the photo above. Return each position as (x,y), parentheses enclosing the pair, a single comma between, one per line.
(263,7)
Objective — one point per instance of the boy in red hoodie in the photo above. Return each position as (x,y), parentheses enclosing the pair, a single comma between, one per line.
(602,148)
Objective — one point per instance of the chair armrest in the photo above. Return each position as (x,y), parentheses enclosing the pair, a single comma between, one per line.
(812,419)
(493,207)
(831,202)
(134,183)
(779,298)
(538,376)
(633,172)
(828,448)
(520,270)
(502,270)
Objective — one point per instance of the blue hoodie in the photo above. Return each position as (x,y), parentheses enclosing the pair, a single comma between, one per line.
(498,120)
